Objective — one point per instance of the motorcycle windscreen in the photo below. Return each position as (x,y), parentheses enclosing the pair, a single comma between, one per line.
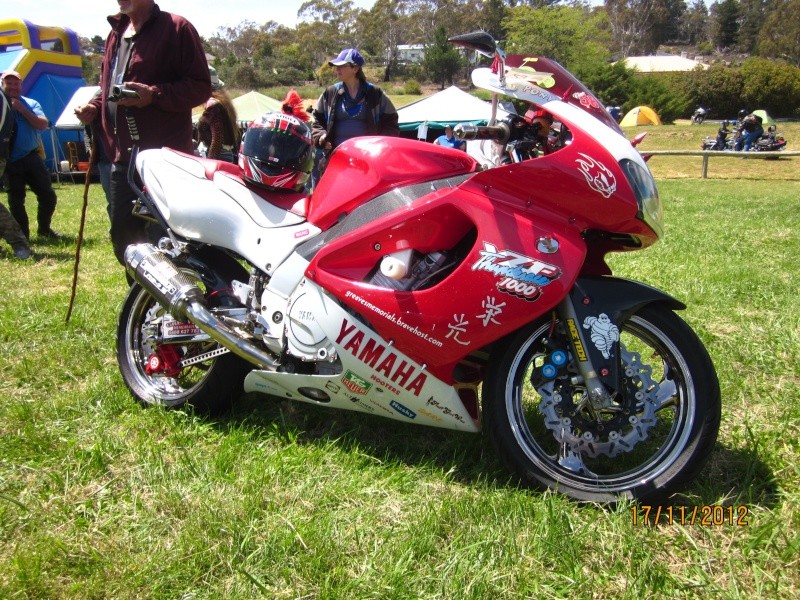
(551,76)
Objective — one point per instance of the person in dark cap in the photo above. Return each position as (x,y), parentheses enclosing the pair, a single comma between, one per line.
(351,107)
(25,165)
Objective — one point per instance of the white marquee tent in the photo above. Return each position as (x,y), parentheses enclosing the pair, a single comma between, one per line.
(448,107)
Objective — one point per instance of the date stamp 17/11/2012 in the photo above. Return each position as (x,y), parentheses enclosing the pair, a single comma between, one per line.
(706,515)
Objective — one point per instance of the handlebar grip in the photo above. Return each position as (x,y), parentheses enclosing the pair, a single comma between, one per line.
(499,133)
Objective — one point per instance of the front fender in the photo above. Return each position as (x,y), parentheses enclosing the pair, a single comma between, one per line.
(617,298)
(602,305)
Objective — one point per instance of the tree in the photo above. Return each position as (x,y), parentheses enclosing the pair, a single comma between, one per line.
(655,91)
(780,34)
(98,44)
(770,85)
(668,15)
(572,35)
(389,26)
(494,11)
(632,23)
(442,61)
(725,25)
(719,88)
(326,27)
(751,16)
(613,83)
(694,23)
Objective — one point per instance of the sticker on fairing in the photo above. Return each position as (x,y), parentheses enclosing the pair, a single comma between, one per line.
(403,410)
(598,176)
(587,100)
(520,276)
(356,384)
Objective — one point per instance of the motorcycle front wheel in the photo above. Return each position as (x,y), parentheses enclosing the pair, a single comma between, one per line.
(648,444)
(167,375)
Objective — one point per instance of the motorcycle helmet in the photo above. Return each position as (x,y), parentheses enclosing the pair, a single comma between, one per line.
(742,114)
(540,120)
(276,152)
(538,113)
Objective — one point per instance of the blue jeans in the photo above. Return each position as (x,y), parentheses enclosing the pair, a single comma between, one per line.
(126,228)
(104,173)
(747,139)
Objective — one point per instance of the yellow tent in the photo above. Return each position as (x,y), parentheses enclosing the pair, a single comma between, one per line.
(641,115)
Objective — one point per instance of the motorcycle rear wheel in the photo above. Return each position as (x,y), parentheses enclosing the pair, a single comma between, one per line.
(210,387)
(682,383)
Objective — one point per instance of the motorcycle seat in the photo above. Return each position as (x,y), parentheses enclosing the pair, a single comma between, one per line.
(211,166)
(227,177)
(235,186)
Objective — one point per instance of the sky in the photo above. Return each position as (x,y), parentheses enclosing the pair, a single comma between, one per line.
(88,17)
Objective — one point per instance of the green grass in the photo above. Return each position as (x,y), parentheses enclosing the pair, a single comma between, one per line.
(102,498)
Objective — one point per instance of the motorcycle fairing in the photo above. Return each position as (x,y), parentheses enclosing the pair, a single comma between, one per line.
(545,186)
(364,168)
(502,282)
(375,377)
(222,211)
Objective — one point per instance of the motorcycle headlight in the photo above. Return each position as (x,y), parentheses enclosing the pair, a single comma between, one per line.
(644,186)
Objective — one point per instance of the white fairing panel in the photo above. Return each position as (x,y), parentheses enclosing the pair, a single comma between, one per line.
(619,147)
(375,377)
(222,212)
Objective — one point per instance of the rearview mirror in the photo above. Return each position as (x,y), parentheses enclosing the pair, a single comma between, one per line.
(480,41)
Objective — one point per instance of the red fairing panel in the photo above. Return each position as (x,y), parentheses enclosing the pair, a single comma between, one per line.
(366,167)
(580,185)
(504,282)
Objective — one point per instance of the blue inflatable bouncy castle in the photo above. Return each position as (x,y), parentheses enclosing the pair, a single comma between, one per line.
(49,61)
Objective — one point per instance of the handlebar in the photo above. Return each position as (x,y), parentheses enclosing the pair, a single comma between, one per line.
(118,92)
(499,133)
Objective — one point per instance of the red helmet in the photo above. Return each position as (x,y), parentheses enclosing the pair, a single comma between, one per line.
(277,152)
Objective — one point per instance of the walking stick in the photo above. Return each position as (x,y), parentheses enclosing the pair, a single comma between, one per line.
(79,243)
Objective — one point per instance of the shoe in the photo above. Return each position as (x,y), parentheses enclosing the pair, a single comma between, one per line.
(22,252)
(49,234)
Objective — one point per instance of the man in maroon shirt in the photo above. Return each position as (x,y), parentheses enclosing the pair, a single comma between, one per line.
(159,56)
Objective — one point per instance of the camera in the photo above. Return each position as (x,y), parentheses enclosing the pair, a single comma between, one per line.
(118,92)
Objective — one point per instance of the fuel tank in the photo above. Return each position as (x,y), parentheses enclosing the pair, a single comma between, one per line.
(366,167)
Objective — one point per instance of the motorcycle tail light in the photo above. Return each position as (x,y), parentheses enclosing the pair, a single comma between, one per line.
(644,187)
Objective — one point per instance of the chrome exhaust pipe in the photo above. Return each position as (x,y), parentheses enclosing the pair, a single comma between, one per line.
(179,295)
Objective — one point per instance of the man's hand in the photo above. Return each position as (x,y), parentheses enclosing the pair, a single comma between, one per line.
(86,113)
(146,93)
(324,143)
(36,121)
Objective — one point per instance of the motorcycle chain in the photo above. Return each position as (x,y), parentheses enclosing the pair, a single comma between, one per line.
(202,357)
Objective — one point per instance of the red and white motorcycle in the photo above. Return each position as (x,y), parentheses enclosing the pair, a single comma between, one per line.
(418,285)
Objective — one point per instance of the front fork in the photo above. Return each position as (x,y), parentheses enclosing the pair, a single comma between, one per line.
(598,394)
